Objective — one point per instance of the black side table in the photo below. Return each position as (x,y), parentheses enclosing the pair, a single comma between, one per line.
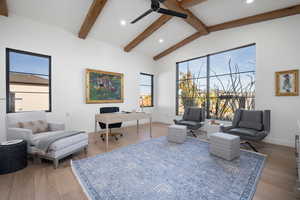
(13,157)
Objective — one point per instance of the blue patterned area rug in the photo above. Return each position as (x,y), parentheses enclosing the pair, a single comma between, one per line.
(159,170)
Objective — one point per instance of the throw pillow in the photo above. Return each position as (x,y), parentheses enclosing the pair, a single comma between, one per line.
(39,126)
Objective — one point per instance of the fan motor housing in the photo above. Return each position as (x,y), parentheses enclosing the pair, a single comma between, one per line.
(155,5)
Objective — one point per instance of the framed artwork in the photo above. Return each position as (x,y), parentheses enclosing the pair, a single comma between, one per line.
(287,83)
(104,87)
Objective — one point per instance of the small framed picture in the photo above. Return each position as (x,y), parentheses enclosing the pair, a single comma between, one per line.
(287,83)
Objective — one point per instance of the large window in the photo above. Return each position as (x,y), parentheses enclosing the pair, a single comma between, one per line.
(28,77)
(146,90)
(221,82)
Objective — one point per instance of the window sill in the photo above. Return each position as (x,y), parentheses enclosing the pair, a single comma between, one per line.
(47,111)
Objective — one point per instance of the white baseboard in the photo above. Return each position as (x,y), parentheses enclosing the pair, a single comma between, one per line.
(280,142)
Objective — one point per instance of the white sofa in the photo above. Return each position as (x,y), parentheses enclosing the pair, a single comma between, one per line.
(57,150)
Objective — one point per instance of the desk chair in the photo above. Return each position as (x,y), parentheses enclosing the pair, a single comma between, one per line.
(110,126)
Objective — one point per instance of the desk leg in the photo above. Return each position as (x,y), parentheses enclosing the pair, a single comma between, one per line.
(137,127)
(95,126)
(150,119)
(106,137)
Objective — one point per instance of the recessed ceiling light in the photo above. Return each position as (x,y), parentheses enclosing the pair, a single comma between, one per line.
(123,22)
(161,40)
(249,1)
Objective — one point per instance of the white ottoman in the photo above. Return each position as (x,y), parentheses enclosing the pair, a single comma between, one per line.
(225,145)
(177,133)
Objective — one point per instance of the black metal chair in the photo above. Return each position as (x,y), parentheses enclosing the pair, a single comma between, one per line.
(250,125)
(110,126)
(193,118)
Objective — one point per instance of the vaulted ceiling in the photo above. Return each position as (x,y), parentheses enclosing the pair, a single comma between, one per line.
(71,15)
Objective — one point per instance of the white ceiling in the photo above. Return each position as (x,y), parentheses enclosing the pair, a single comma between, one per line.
(69,15)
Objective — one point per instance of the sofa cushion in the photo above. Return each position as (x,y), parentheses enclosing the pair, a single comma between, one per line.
(38,126)
(66,142)
(59,144)
(244,131)
(190,124)
(248,134)
(251,125)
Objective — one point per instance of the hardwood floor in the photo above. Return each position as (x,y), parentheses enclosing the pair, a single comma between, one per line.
(43,182)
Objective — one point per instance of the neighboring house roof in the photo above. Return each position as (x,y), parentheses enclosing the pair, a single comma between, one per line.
(28,79)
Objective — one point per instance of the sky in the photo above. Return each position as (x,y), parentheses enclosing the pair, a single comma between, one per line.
(145,85)
(244,58)
(28,64)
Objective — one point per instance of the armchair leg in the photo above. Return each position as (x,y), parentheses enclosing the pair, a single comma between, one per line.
(86,150)
(55,163)
(251,146)
(37,159)
(193,133)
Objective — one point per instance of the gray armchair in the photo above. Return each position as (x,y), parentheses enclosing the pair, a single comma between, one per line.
(250,125)
(193,119)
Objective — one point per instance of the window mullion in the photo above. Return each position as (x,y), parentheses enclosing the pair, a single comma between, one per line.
(207,86)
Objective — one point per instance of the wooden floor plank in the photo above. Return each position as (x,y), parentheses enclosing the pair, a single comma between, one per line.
(45,187)
(23,185)
(6,185)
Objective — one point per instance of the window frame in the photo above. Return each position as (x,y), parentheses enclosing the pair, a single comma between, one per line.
(208,76)
(8,51)
(152,88)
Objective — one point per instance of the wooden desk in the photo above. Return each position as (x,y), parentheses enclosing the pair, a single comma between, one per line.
(111,118)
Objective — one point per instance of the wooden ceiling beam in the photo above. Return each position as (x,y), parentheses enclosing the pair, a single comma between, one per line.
(147,32)
(90,19)
(3,8)
(191,19)
(190,3)
(285,12)
(294,10)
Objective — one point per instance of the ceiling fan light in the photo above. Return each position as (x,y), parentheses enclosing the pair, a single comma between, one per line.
(123,22)
(249,1)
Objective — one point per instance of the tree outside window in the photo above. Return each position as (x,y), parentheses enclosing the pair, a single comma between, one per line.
(146,90)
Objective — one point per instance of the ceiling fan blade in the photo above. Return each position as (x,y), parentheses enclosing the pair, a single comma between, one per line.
(142,16)
(172,13)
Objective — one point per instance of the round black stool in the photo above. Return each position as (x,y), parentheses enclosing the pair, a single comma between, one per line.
(13,156)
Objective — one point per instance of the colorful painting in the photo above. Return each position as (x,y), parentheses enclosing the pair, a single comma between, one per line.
(104,87)
(287,83)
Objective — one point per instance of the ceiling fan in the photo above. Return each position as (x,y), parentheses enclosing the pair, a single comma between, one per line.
(155,7)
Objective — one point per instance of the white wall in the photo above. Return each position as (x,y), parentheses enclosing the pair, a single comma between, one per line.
(70,57)
(278,49)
